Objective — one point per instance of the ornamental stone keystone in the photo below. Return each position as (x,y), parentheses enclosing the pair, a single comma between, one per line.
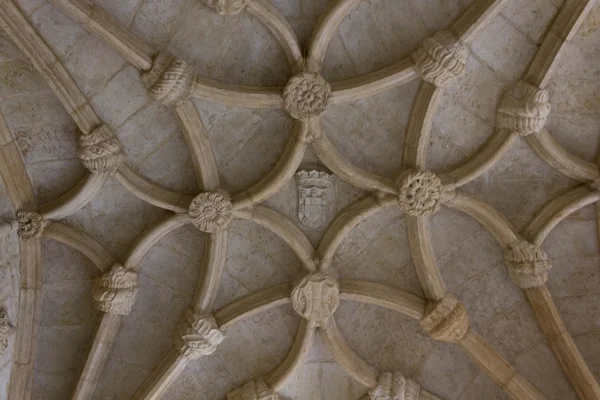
(524,109)
(306,95)
(253,391)
(527,264)
(31,225)
(115,291)
(394,386)
(211,211)
(316,297)
(100,150)
(419,192)
(441,58)
(6,330)
(224,7)
(170,80)
(198,335)
(447,320)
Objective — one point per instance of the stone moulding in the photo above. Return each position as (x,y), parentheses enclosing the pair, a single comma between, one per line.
(6,330)
(307,95)
(31,225)
(394,386)
(211,211)
(315,297)
(527,264)
(100,150)
(255,390)
(419,192)
(170,80)
(447,320)
(115,291)
(441,58)
(523,109)
(198,335)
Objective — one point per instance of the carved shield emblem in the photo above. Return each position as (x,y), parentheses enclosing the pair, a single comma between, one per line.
(313,198)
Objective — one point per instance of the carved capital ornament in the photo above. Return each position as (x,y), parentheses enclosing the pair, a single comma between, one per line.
(115,291)
(524,109)
(211,211)
(394,386)
(198,335)
(441,58)
(419,192)
(316,297)
(255,390)
(527,264)
(170,80)
(306,95)
(31,225)
(447,320)
(100,150)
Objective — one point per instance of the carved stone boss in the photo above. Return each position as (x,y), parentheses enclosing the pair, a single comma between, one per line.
(314,197)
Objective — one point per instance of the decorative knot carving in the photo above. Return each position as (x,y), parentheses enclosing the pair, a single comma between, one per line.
(316,297)
(306,95)
(527,264)
(253,391)
(170,80)
(441,58)
(395,387)
(6,330)
(523,109)
(447,320)
(100,150)
(31,225)
(211,211)
(198,335)
(419,192)
(224,7)
(115,291)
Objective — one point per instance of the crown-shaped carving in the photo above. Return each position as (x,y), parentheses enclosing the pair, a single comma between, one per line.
(527,264)
(170,80)
(115,291)
(447,320)
(441,58)
(394,386)
(224,7)
(313,178)
(198,335)
(523,109)
(100,150)
(31,225)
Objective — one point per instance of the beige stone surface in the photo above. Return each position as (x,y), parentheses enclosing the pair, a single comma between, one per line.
(75,69)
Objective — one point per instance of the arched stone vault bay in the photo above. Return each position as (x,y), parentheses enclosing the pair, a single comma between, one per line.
(150,241)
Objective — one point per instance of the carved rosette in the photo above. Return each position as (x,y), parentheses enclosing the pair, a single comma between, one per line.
(224,7)
(419,192)
(316,297)
(447,320)
(527,264)
(211,211)
(523,109)
(253,391)
(6,330)
(115,291)
(31,225)
(100,150)
(441,58)
(394,386)
(198,335)
(306,95)
(170,80)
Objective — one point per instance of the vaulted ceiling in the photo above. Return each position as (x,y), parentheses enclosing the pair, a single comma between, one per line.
(157,243)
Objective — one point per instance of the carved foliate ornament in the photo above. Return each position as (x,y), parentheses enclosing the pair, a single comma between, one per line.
(253,391)
(441,58)
(394,386)
(31,225)
(523,109)
(419,192)
(447,320)
(100,150)
(316,297)
(306,95)
(224,7)
(313,197)
(527,264)
(170,80)
(211,211)
(115,291)
(6,330)
(198,335)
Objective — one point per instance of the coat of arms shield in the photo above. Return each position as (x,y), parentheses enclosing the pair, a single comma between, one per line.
(313,197)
